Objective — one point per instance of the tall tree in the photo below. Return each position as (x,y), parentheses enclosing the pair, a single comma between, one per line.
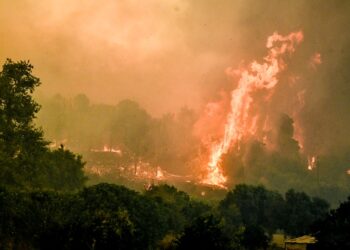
(130,128)
(25,159)
(20,141)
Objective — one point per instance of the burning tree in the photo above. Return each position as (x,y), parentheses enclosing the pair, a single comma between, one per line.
(242,121)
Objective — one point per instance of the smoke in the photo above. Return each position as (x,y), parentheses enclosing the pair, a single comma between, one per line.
(109,51)
(170,54)
(314,88)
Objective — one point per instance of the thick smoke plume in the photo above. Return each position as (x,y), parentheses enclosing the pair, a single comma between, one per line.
(169,54)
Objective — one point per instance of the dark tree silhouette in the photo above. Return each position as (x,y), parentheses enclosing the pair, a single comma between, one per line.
(333,232)
(204,233)
(254,238)
(25,159)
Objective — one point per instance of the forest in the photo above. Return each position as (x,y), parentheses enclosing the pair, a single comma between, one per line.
(175,124)
(46,202)
(98,131)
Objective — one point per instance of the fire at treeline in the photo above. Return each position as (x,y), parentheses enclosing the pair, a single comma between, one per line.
(44,201)
(234,143)
(228,129)
(240,138)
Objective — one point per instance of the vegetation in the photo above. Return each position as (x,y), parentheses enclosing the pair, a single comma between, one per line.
(169,142)
(44,204)
(333,230)
(80,125)
(107,216)
(26,161)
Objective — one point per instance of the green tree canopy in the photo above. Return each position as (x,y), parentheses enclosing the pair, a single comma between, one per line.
(20,141)
(25,158)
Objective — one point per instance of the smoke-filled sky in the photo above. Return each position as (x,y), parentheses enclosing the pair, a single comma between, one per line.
(164,54)
(159,53)
(168,54)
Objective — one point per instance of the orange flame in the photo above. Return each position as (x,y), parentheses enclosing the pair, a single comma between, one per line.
(312,161)
(257,76)
(315,60)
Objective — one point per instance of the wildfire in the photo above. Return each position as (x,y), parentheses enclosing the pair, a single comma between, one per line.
(108,149)
(159,173)
(311,162)
(315,60)
(257,76)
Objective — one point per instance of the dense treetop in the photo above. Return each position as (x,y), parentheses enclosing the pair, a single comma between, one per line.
(26,161)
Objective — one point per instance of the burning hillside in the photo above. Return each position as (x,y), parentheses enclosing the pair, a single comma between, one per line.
(161,95)
(244,119)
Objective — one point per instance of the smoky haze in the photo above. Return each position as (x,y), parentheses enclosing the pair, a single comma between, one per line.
(163,54)
(169,54)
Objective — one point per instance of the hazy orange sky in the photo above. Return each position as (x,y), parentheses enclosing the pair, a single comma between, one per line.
(160,53)
(163,54)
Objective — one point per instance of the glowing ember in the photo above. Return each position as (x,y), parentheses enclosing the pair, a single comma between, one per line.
(258,76)
(315,60)
(159,174)
(348,172)
(107,149)
(311,162)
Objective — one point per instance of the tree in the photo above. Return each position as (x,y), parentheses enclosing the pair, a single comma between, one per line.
(301,211)
(20,141)
(254,238)
(148,218)
(257,206)
(25,159)
(168,194)
(130,128)
(333,231)
(98,217)
(286,145)
(175,143)
(64,171)
(183,210)
(204,233)
(53,117)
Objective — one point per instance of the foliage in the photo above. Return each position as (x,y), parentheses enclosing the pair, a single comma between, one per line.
(301,211)
(254,238)
(107,216)
(143,212)
(129,127)
(279,164)
(204,233)
(64,171)
(101,217)
(166,141)
(333,230)
(25,159)
(183,210)
(169,142)
(256,206)
(20,142)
